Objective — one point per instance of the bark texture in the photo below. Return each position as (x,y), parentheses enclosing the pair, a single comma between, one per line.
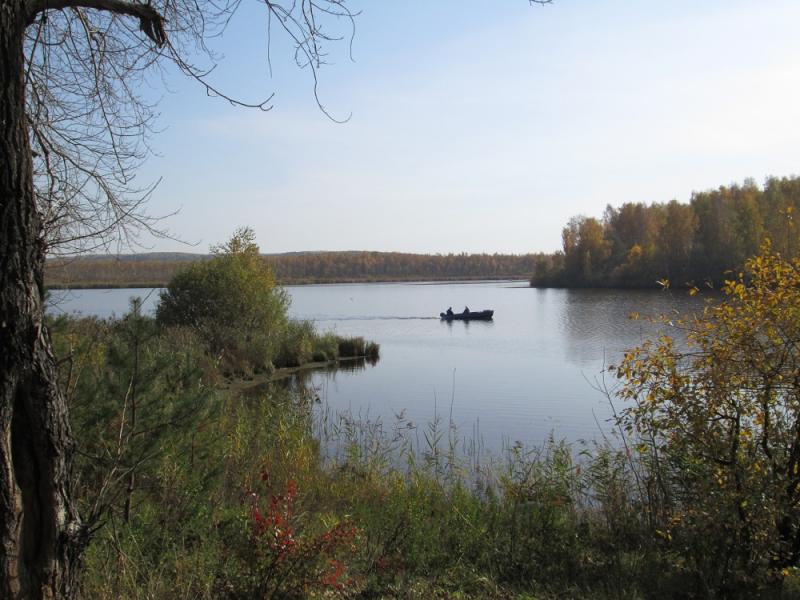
(40,534)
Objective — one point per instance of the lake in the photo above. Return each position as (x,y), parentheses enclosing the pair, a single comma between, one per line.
(532,371)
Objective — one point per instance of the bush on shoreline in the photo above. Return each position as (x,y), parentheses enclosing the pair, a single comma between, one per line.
(234,305)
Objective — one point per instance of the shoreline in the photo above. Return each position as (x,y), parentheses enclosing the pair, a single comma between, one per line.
(240,384)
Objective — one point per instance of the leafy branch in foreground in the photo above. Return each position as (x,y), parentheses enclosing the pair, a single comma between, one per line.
(719,422)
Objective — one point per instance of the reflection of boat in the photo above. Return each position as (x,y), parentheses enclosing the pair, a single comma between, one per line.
(474,315)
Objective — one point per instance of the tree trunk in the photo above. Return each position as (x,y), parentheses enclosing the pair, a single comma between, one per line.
(40,534)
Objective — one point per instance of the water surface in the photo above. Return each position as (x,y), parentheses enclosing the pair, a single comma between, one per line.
(532,371)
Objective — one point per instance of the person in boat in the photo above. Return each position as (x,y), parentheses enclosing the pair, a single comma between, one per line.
(450,312)
(466,310)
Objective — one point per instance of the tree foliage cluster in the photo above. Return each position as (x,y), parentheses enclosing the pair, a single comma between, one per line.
(398,266)
(719,423)
(636,245)
(133,271)
(232,301)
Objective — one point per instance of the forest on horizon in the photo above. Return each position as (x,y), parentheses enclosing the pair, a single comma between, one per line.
(293,268)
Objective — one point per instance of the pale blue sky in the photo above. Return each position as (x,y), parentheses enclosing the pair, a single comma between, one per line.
(481,126)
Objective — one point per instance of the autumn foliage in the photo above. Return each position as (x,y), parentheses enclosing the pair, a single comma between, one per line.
(636,244)
(718,417)
(287,560)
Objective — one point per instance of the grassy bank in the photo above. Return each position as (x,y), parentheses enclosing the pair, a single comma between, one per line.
(211,493)
(257,493)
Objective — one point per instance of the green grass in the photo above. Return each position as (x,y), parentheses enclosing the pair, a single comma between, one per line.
(352,347)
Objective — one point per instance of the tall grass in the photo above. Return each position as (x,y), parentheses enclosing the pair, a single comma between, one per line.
(302,344)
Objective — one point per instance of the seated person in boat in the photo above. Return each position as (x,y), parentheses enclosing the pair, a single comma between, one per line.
(450,312)
(466,310)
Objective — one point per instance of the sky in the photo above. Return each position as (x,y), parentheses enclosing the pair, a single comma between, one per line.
(477,126)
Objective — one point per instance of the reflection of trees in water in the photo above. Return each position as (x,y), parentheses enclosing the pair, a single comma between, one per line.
(303,378)
(597,324)
(301,383)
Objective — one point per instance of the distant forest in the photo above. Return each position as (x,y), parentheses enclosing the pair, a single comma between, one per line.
(637,245)
(155,270)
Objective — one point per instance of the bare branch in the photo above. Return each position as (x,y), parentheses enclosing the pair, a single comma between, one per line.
(150,21)
(87,64)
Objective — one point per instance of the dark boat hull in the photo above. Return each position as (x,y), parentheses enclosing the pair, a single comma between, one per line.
(480,315)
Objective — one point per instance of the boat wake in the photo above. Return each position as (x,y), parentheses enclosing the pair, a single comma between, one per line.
(373,318)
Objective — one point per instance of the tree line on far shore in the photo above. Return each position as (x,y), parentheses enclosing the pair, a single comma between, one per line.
(695,244)
(294,268)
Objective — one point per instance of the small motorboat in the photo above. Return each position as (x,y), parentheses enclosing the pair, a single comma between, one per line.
(473,315)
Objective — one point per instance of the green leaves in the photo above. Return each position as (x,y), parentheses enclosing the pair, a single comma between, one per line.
(232,301)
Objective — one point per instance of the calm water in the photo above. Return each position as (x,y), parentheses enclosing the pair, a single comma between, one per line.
(530,372)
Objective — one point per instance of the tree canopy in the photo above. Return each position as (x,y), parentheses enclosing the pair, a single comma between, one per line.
(637,245)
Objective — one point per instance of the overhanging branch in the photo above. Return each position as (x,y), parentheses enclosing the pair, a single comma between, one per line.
(150,20)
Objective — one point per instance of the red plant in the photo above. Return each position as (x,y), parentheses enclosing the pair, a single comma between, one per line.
(287,557)
(334,577)
(275,529)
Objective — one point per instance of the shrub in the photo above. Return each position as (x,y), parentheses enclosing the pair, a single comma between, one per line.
(719,424)
(284,558)
(297,344)
(232,301)
(326,347)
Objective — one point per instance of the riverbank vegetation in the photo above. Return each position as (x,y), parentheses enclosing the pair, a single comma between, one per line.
(234,305)
(196,489)
(694,244)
